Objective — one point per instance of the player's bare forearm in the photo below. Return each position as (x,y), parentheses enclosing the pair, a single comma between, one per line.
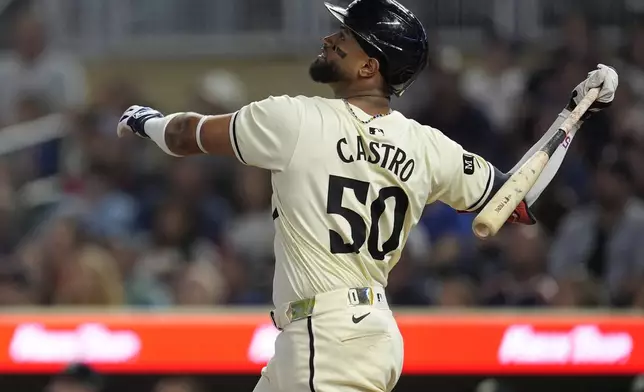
(181,134)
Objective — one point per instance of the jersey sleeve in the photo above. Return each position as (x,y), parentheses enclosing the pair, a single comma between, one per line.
(459,179)
(265,133)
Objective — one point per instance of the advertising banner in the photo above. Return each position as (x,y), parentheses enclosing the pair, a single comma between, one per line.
(218,343)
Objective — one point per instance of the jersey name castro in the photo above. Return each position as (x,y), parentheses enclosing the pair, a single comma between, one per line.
(388,156)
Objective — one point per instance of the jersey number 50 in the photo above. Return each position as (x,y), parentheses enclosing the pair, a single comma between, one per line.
(337,185)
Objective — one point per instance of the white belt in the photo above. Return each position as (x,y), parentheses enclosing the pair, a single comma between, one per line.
(326,302)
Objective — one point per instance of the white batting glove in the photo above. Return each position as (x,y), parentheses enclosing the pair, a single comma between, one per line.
(133,120)
(604,77)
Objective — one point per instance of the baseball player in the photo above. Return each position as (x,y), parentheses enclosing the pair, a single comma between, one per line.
(350,179)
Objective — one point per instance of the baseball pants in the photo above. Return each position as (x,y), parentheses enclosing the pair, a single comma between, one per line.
(339,348)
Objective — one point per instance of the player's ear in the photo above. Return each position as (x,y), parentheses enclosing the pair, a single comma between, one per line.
(369,68)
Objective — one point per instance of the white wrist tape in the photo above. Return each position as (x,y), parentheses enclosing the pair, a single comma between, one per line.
(198,135)
(155,129)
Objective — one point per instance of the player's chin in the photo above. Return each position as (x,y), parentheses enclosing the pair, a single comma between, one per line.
(323,71)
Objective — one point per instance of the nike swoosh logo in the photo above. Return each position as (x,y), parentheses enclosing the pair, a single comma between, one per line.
(356,320)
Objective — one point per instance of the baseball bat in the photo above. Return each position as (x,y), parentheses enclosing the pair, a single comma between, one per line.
(497,211)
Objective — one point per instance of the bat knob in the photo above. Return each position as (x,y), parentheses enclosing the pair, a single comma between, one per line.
(481,230)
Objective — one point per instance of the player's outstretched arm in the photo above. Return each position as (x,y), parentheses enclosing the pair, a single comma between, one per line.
(179,134)
(262,134)
(469,190)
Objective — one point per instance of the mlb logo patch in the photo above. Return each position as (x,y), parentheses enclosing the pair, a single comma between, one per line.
(468,164)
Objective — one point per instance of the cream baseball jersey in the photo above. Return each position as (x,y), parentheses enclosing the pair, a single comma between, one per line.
(347,194)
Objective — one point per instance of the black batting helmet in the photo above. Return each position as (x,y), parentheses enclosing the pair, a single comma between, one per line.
(391,33)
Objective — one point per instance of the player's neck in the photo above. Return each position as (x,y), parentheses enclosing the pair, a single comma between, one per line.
(372,102)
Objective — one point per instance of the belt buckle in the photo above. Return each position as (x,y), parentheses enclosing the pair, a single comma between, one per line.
(360,296)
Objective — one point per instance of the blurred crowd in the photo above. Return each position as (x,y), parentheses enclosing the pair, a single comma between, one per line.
(89,219)
(79,377)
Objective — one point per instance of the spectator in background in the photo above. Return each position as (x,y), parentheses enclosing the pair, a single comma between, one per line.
(112,97)
(45,252)
(632,58)
(41,160)
(456,291)
(635,156)
(442,222)
(31,107)
(76,378)
(187,182)
(172,240)
(251,235)
(638,300)
(141,288)
(577,41)
(86,150)
(405,286)
(578,291)
(200,284)
(34,69)
(454,114)
(13,218)
(93,140)
(627,126)
(68,269)
(604,240)
(496,84)
(15,286)
(548,83)
(519,276)
(80,150)
(166,257)
(627,118)
(103,209)
(90,278)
